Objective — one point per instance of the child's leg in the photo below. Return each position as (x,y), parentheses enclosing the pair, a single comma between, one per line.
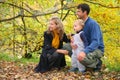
(74,67)
(74,60)
(80,66)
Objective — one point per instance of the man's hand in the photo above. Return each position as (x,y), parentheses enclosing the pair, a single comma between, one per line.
(81,56)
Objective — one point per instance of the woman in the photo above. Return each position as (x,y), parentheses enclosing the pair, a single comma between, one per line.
(53,53)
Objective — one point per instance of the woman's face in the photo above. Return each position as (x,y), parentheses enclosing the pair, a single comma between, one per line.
(52,26)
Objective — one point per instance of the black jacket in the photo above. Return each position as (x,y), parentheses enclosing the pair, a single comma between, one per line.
(43,65)
(47,45)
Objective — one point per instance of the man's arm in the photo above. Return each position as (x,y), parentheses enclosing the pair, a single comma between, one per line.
(95,38)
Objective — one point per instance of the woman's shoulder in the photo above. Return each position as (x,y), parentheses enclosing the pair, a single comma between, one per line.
(46,33)
(64,34)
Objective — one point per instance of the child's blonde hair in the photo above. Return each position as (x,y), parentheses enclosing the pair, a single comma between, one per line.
(80,22)
(59,24)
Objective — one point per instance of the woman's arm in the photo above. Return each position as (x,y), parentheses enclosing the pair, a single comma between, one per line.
(65,38)
(62,51)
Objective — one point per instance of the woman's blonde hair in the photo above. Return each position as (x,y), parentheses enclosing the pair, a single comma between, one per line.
(59,25)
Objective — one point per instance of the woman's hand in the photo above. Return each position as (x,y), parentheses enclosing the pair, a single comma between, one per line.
(62,51)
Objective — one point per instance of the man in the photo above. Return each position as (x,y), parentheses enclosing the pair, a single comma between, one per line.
(91,56)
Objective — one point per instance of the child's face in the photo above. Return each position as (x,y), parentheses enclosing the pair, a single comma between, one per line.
(52,26)
(77,27)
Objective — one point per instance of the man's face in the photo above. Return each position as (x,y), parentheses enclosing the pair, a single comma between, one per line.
(80,14)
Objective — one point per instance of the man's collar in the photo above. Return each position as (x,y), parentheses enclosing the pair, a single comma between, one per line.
(86,19)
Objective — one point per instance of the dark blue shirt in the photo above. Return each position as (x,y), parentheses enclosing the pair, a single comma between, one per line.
(94,36)
(84,39)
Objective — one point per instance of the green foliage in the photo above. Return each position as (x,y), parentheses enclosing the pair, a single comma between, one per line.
(68,60)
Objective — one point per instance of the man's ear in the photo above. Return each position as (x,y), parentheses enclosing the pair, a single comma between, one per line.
(85,12)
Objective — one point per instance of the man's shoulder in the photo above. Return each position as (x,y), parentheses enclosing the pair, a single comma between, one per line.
(90,20)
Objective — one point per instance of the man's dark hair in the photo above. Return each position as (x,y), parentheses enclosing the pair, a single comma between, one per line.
(84,7)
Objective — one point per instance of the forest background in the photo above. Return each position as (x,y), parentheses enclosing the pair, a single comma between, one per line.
(22,23)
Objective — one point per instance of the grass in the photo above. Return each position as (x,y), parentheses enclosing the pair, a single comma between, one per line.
(114,67)
(7,57)
(34,59)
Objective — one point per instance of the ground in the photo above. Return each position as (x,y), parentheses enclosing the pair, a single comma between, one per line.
(19,71)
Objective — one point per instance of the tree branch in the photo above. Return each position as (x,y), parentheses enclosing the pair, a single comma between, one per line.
(46,12)
(4,20)
(50,10)
(66,15)
(16,6)
(102,4)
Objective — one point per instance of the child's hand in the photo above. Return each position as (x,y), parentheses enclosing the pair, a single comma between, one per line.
(69,36)
(74,46)
(71,39)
